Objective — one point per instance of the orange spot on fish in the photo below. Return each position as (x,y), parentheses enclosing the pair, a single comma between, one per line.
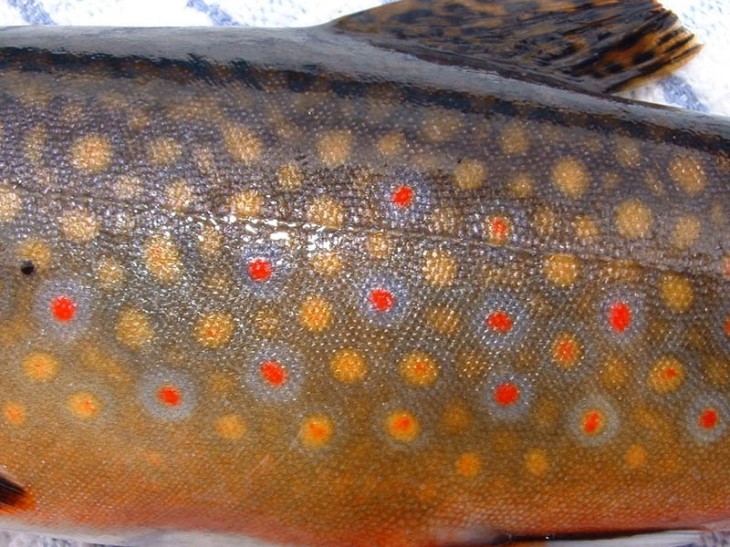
(63,308)
(273,373)
(619,316)
(382,300)
(500,321)
(260,269)
(565,350)
(402,196)
(403,426)
(169,395)
(506,394)
(709,418)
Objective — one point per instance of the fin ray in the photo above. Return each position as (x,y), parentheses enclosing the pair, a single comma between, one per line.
(595,45)
(13,495)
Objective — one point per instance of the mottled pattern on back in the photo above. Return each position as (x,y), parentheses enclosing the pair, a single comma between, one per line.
(264,301)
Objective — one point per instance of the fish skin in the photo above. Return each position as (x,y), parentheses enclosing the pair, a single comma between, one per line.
(551,268)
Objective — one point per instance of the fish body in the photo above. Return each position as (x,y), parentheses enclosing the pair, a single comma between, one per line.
(314,287)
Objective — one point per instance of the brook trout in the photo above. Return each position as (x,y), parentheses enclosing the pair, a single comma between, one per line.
(409,278)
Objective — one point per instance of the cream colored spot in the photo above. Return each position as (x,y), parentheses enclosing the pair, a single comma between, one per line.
(521,186)
(514,139)
(164,151)
(84,405)
(628,153)
(128,188)
(10,204)
(35,144)
(545,222)
(290,176)
(179,196)
(133,328)
(444,220)
(676,292)
(469,464)
(686,231)
(440,125)
(633,219)
(615,373)
(92,153)
(316,431)
(162,258)
(334,147)
(440,268)
(419,369)
(326,211)
(109,272)
(391,144)
(688,173)
(536,462)
(215,329)
(635,456)
(315,314)
(585,229)
(444,319)
(247,204)
(455,418)
(666,375)
(79,226)
(379,245)
(470,174)
(210,241)
(561,269)
(570,176)
(14,413)
(36,251)
(242,144)
(349,366)
(267,322)
(40,366)
(230,427)
(327,263)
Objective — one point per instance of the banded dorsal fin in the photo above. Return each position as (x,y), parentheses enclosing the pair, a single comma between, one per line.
(595,45)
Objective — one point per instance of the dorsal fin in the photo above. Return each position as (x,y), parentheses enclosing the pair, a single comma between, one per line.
(595,45)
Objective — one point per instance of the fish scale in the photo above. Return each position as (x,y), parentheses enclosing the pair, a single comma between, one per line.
(374,298)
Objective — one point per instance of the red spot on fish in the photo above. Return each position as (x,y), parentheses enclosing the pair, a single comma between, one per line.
(260,269)
(593,422)
(499,230)
(402,196)
(273,373)
(169,395)
(506,394)
(382,300)
(708,419)
(619,316)
(727,326)
(63,308)
(500,321)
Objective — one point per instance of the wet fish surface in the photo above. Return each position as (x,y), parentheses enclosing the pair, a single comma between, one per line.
(409,278)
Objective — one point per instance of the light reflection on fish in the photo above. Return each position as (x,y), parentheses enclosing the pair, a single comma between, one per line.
(408,278)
